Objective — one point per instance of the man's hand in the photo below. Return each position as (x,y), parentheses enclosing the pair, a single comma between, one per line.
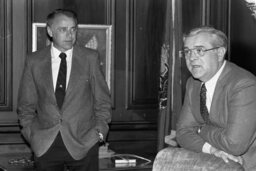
(225,156)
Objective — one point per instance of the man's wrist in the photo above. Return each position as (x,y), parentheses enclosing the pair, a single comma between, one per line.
(101,137)
(213,150)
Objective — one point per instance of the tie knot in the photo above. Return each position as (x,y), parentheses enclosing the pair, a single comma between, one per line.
(62,55)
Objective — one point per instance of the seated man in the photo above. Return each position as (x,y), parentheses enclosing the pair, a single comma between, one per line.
(217,124)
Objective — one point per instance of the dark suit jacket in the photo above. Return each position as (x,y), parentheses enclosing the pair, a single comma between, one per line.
(86,107)
(232,115)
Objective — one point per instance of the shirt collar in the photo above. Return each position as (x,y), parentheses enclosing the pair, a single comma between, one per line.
(55,52)
(214,79)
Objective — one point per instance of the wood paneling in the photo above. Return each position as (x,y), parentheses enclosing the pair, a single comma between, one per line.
(5,56)
(133,138)
(144,33)
(192,14)
(136,65)
(88,11)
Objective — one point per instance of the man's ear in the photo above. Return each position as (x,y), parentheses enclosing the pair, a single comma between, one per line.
(221,53)
(49,31)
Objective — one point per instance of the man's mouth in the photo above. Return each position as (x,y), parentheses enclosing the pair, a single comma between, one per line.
(195,66)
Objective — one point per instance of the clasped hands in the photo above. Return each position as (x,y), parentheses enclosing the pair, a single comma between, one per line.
(225,156)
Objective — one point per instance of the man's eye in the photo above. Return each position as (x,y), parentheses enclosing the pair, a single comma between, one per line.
(73,29)
(186,51)
(199,50)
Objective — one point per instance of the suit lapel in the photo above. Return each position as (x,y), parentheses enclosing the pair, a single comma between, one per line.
(215,99)
(218,92)
(47,74)
(75,72)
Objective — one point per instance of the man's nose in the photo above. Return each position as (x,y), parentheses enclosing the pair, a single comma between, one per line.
(69,32)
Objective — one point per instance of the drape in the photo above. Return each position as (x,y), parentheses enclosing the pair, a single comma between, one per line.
(163,121)
(170,78)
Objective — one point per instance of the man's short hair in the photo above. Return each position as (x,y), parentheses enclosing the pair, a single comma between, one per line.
(66,12)
(220,38)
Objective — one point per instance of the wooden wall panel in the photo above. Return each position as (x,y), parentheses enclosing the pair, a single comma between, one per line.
(5,56)
(88,11)
(13,26)
(144,31)
(135,59)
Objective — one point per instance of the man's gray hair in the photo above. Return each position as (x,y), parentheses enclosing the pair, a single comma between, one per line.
(219,38)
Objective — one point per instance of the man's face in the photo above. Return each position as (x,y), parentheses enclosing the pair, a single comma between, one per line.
(203,67)
(63,32)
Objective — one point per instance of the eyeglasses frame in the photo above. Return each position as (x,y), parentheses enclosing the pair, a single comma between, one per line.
(203,50)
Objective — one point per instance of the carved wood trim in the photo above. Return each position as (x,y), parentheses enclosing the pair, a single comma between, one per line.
(6,55)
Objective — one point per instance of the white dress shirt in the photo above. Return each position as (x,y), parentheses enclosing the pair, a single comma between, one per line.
(55,59)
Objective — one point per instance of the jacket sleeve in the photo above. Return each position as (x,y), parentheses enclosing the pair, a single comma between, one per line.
(102,100)
(240,130)
(187,125)
(27,101)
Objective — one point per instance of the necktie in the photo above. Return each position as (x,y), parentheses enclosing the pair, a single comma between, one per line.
(61,81)
(203,109)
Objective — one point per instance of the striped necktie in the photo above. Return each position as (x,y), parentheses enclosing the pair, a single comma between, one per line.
(203,109)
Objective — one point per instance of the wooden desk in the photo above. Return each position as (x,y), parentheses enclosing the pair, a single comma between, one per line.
(104,164)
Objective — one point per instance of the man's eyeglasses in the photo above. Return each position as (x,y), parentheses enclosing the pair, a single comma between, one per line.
(198,51)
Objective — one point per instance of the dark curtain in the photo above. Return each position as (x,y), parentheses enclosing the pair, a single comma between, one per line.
(164,118)
(171,74)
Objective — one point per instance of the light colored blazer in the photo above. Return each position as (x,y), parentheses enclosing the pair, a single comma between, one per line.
(232,116)
(86,108)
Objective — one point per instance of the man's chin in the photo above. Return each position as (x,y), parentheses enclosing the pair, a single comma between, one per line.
(68,47)
(197,76)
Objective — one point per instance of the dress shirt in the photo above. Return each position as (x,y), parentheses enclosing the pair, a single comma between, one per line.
(56,64)
(210,86)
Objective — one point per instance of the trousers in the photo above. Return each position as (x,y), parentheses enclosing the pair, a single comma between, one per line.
(57,158)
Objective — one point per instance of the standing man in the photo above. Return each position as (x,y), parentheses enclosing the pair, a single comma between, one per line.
(64,104)
(218,116)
